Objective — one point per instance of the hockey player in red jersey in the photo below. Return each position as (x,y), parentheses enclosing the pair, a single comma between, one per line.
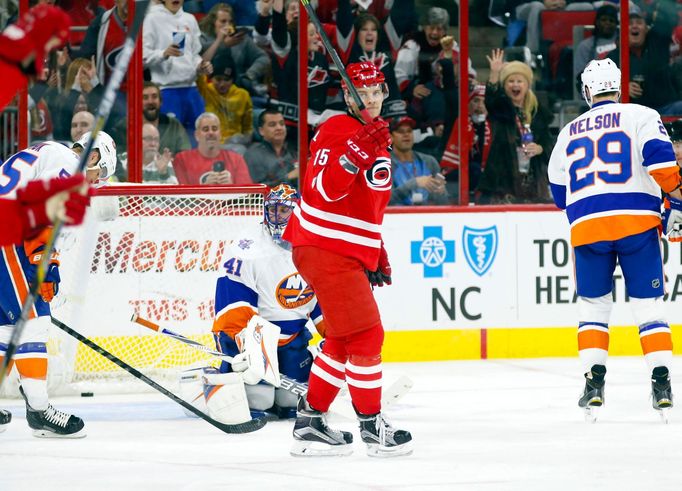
(337,246)
(23,46)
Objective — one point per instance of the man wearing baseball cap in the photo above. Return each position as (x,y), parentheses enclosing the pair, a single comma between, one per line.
(416,176)
(231,103)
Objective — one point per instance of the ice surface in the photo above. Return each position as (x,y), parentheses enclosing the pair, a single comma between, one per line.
(479,425)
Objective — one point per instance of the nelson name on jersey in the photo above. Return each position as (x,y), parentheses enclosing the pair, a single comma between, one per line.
(601,122)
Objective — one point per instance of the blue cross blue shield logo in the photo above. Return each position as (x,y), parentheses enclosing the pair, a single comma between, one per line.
(433,252)
(480,248)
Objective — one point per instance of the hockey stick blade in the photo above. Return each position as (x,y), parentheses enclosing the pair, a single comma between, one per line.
(247,427)
(101,116)
(389,396)
(286,383)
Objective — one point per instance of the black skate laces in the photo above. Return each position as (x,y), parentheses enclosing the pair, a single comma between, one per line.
(55,416)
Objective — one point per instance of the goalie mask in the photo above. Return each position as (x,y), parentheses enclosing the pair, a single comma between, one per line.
(106,147)
(279,205)
(599,77)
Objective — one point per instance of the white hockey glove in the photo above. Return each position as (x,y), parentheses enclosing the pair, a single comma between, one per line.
(672,220)
(257,359)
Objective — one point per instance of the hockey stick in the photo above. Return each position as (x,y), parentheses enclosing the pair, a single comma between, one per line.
(337,61)
(247,427)
(390,396)
(101,117)
(286,383)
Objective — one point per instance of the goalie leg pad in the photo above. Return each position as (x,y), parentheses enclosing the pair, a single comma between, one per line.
(225,397)
(260,396)
(192,390)
(285,399)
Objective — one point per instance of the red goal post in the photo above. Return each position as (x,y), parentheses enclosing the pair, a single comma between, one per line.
(153,250)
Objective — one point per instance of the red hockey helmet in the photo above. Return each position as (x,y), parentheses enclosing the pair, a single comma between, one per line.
(365,74)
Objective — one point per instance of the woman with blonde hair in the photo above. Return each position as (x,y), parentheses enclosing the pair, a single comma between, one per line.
(516,170)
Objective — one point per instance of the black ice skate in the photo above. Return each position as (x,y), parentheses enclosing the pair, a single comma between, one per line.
(5,418)
(314,438)
(661,392)
(52,423)
(593,395)
(382,439)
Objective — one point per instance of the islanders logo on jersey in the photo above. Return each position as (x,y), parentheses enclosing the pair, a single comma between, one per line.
(293,292)
(480,248)
(379,175)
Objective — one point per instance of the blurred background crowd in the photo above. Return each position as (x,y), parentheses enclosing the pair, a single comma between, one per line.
(220,96)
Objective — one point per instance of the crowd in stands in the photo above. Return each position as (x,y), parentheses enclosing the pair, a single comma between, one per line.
(220,97)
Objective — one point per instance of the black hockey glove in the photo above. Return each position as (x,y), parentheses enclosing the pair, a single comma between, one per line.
(382,275)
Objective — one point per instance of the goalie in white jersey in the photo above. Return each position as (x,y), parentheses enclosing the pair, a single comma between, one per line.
(261,280)
(607,171)
(18,266)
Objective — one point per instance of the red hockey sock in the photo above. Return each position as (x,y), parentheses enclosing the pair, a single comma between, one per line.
(327,376)
(363,374)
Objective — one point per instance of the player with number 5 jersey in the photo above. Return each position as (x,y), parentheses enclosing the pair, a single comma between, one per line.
(18,268)
(607,171)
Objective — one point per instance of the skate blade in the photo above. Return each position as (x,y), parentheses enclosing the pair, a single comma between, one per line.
(591,413)
(3,427)
(663,414)
(302,448)
(376,450)
(51,434)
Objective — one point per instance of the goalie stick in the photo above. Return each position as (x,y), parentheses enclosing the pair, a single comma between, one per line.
(247,427)
(286,383)
(101,118)
(390,396)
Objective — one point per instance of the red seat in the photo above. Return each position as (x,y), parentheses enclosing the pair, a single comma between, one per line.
(557,25)
(557,30)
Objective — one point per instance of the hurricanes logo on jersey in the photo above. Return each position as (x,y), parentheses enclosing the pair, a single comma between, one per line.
(379,176)
(293,292)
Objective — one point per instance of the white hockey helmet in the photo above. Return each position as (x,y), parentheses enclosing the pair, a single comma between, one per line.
(600,76)
(106,147)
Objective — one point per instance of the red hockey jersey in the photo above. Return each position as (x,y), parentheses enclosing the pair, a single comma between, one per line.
(341,211)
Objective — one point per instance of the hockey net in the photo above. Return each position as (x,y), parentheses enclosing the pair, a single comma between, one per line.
(156,251)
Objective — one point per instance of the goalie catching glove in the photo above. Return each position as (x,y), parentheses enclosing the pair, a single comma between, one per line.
(257,358)
(367,143)
(382,275)
(672,220)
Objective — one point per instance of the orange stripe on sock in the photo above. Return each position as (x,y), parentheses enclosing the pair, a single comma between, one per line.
(660,341)
(592,338)
(10,366)
(32,367)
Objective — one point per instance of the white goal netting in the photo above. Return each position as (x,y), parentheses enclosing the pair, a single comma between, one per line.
(151,250)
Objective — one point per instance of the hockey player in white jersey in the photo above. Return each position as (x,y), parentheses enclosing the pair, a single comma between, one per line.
(607,171)
(261,280)
(18,265)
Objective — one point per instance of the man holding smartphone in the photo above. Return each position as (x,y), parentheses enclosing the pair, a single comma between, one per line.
(209,163)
